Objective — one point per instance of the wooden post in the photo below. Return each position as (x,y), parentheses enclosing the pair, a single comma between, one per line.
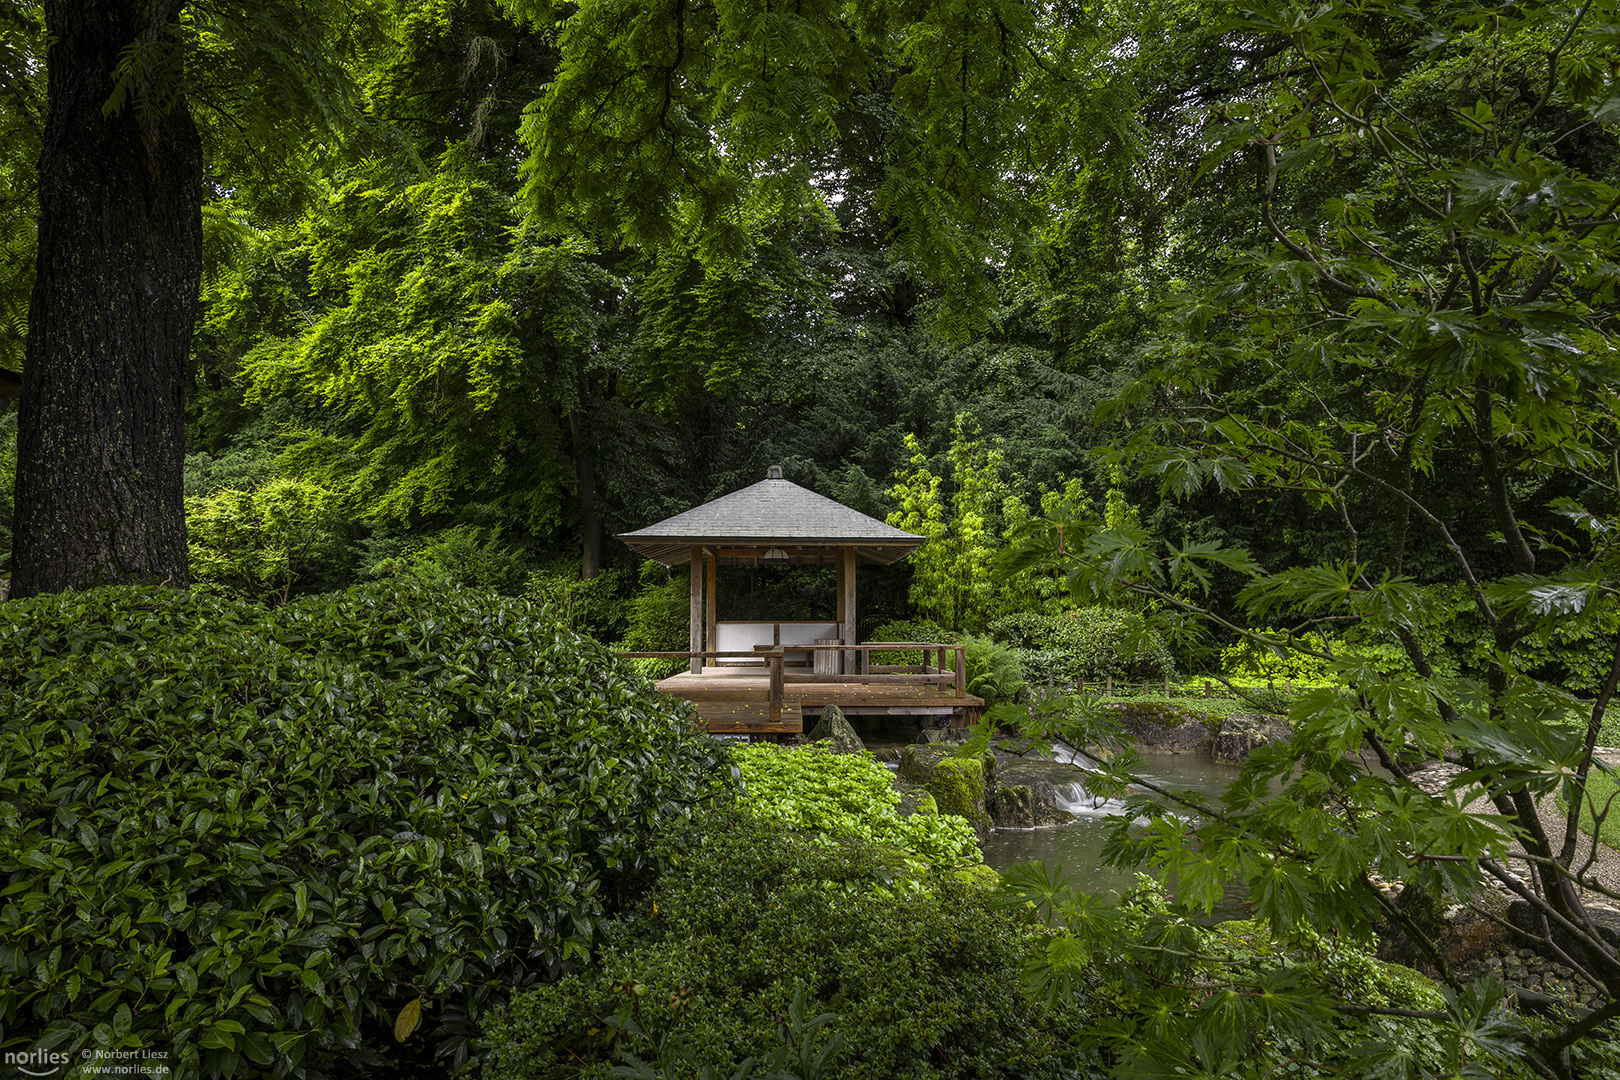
(1206,688)
(775,712)
(711,571)
(694,638)
(1108,687)
(835,667)
(961,671)
(1167,686)
(847,628)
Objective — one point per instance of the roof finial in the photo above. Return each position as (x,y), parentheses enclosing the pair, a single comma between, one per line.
(774,472)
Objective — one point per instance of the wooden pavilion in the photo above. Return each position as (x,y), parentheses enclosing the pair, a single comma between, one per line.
(764,676)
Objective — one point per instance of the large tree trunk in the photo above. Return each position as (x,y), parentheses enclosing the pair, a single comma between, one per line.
(590,563)
(102,423)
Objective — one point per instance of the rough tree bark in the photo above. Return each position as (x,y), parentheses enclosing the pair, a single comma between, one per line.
(590,518)
(101,427)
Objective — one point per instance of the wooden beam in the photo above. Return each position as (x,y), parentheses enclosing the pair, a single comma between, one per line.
(694,637)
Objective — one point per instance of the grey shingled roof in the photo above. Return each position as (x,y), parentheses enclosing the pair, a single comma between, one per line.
(776,512)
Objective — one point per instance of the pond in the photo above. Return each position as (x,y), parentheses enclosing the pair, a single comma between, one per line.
(1078,846)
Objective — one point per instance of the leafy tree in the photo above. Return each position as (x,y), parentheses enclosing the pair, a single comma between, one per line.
(459,349)
(262,541)
(718,121)
(22,117)
(951,571)
(119,257)
(1431,301)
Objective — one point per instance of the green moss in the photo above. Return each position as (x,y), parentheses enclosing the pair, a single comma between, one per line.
(926,804)
(980,876)
(957,785)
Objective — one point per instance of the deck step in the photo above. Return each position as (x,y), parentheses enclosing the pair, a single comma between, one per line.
(734,717)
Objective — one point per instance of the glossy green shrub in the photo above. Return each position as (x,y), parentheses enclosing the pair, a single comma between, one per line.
(1086,643)
(923,984)
(845,796)
(250,838)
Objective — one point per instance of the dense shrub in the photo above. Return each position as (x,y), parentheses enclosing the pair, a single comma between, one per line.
(250,838)
(924,984)
(1086,643)
(264,542)
(842,797)
(994,671)
(1573,654)
(1248,659)
(657,620)
(918,630)
(460,557)
(590,606)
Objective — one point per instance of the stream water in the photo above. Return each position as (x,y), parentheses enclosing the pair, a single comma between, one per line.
(1077,846)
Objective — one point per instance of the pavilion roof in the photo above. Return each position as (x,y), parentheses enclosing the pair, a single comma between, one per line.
(773,513)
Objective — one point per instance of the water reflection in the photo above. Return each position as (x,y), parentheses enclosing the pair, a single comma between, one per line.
(1078,845)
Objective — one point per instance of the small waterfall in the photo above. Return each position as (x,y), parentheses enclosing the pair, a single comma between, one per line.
(1064,754)
(1081,803)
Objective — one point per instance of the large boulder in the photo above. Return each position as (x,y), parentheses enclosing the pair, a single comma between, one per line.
(1011,806)
(959,785)
(1049,783)
(1160,727)
(1002,791)
(833,725)
(1243,733)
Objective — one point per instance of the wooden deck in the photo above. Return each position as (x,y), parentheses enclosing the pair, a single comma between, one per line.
(733,702)
(770,699)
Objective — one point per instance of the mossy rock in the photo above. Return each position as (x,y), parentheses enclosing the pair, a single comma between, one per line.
(834,726)
(1012,806)
(1164,727)
(1243,733)
(957,785)
(917,801)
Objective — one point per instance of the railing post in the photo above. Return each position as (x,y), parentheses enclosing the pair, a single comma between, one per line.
(961,670)
(775,713)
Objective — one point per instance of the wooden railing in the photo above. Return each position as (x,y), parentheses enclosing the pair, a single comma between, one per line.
(956,676)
